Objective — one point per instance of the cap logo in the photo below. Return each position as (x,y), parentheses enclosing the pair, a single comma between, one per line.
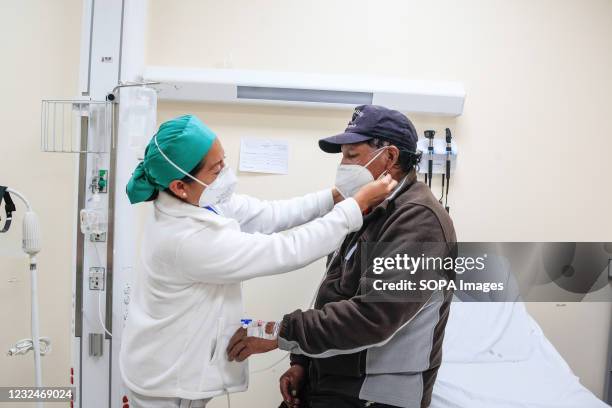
(356,114)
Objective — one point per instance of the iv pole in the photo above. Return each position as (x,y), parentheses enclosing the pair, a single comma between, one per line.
(31,243)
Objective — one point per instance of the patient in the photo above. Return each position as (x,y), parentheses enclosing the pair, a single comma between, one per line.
(349,351)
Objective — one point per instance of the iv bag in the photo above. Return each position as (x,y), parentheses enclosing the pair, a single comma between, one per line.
(138,117)
(93,218)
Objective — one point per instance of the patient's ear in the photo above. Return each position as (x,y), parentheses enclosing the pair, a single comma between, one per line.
(393,154)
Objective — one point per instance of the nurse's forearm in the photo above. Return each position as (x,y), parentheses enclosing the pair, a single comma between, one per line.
(274,216)
(237,256)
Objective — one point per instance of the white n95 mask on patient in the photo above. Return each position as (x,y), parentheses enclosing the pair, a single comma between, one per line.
(351,177)
(217,192)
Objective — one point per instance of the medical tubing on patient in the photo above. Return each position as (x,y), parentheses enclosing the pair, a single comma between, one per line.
(278,323)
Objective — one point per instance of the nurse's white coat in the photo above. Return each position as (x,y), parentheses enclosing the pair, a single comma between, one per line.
(187,299)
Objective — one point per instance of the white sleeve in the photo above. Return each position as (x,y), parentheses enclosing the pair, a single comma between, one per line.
(228,255)
(267,217)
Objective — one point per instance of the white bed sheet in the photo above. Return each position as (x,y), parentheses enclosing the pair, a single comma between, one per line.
(496,356)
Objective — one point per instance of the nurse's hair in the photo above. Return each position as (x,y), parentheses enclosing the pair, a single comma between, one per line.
(185,179)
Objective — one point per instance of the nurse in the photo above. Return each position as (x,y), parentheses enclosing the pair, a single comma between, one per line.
(201,242)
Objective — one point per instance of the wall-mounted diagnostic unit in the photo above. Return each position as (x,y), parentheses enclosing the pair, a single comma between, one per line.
(439,158)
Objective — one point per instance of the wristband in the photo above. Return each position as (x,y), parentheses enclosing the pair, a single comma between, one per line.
(257,328)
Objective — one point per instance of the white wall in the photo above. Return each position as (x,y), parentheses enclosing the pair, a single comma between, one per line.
(538,81)
(40,56)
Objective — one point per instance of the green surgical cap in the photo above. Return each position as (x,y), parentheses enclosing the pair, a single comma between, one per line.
(185,140)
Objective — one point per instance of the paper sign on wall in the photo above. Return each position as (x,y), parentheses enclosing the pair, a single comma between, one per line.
(264,156)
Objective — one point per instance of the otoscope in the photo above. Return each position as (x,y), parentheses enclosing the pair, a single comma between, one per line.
(449,138)
(429,134)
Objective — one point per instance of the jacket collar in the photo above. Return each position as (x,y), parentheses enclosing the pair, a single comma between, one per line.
(402,186)
(172,206)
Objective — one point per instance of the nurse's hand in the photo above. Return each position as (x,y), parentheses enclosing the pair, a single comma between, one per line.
(241,346)
(374,193)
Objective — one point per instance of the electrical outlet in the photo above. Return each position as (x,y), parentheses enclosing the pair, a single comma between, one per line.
(96,278)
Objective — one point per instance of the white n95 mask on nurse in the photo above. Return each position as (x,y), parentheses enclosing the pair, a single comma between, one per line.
(351,177)
(217,192)
(220,190)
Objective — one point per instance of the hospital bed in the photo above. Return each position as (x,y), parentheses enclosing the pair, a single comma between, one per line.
(496,356)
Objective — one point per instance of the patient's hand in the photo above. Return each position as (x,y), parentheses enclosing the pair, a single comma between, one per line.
(241,346)
(291,383)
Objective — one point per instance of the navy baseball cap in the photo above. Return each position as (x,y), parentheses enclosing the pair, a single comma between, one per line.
(373,121)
